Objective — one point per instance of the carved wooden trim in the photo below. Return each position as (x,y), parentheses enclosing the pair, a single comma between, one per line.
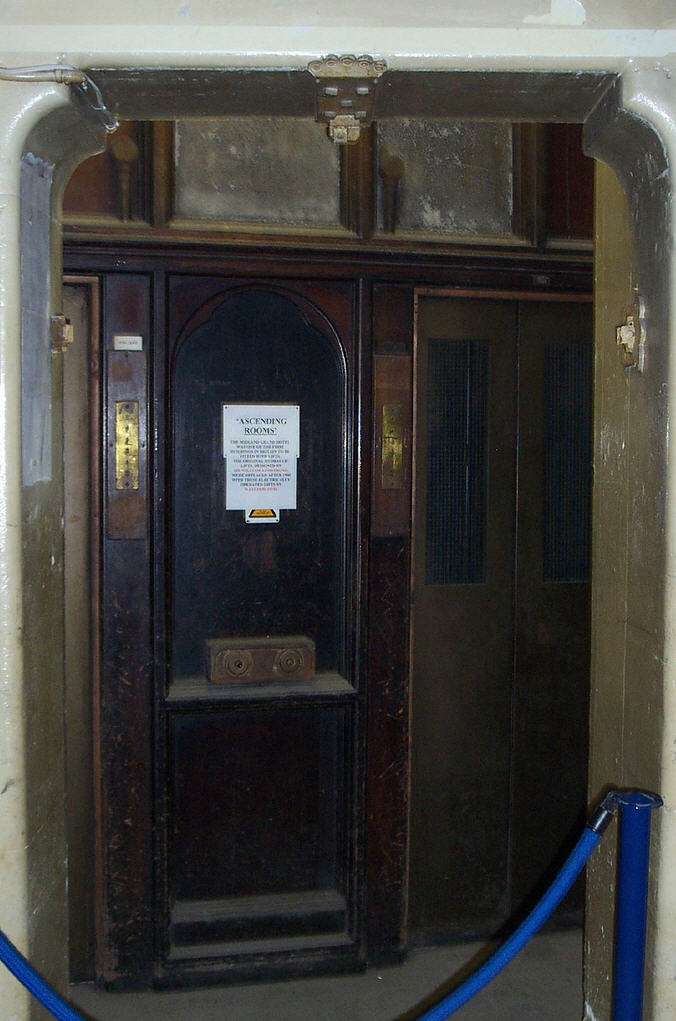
(529,220)
(357,184)
(162,191)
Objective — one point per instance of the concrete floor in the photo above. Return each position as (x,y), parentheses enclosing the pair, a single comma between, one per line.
(543,983)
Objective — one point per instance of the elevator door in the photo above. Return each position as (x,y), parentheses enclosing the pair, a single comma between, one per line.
(230,715)
(500,615)
(260,709)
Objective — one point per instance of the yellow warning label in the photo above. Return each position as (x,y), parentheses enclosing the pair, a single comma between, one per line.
(262,512)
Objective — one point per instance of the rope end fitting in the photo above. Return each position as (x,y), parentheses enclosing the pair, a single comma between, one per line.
(614,800)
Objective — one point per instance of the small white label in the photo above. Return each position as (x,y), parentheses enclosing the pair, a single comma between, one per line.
(127,342)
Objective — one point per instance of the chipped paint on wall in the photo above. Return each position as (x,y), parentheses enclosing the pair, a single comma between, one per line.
(561,12)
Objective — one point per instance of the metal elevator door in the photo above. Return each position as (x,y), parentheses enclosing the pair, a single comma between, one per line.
(500,647)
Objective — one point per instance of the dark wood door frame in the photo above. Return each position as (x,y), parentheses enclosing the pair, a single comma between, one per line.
(82,498)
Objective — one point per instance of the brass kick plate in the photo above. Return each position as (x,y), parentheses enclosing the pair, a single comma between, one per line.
(392,448)
(126,445)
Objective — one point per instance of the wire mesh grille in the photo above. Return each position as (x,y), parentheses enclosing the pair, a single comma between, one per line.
(457,461)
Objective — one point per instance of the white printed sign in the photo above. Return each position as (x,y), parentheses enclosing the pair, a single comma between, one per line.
(261,445)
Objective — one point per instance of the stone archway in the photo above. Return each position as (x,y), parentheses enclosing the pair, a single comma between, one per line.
(636,558)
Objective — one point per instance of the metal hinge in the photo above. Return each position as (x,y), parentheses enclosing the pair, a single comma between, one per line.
(345,93)
(630,336)
(61,334)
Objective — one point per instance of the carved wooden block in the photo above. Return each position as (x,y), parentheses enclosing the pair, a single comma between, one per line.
(243,660)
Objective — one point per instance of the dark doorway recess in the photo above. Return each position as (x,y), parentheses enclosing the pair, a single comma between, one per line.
(261,828)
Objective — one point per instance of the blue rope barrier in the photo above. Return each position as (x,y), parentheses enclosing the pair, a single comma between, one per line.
(35,984)
(635,871)
(514,943)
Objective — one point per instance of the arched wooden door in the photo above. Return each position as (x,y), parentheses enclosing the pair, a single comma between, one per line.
(232,806)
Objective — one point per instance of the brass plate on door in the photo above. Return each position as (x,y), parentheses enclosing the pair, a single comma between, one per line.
(126,445)
(392,450)
(243,660)
(393,381)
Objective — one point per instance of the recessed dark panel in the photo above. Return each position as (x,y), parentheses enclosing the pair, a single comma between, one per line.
(232,578)
(570,183)
(567,461)
(258,803)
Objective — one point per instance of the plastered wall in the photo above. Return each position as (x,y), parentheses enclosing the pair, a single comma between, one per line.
(569,34)
(634,721)
(621,445)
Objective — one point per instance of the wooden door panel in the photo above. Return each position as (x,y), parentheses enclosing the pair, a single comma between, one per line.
(463,584)
(123,714)
(552,622)
(230,815)
(259,781)
(256,801)
(387,640)
(501,618)
(81,399)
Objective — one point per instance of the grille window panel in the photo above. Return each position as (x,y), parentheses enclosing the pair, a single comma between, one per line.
(457,461)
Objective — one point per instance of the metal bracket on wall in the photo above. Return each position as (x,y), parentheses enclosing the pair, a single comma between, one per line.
(345,93)
(61,331)
(630,336)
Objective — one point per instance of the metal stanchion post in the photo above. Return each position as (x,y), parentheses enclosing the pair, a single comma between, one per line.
(632,894)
